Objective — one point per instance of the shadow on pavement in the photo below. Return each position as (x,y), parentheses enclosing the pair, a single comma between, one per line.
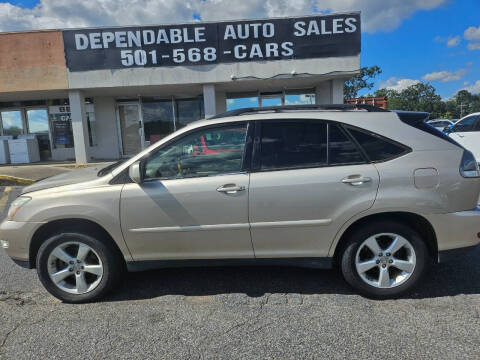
(454,278)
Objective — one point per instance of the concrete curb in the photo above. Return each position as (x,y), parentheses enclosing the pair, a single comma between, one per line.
(16,179)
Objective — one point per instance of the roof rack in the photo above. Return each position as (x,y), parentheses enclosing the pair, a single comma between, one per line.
(340,107)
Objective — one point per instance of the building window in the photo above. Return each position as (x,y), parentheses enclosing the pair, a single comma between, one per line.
(240,101)
(272,99)
(158,119)
(163,117)
(188,110)
(287,97)
(300,97)
(61,125)
(12,124)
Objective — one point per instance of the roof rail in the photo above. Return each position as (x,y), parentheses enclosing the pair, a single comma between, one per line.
(341,107)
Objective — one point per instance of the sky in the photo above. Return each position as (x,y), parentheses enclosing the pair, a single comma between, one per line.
(437,41)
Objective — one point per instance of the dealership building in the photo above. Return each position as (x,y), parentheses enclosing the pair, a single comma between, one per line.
(105,93)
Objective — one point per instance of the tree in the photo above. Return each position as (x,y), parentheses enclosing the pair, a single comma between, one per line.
(361,81)
(423,97)
(13,131)
(451,110)
(395,101)
(417,97)
(464,102)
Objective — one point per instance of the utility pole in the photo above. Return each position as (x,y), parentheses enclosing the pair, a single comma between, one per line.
(461,109)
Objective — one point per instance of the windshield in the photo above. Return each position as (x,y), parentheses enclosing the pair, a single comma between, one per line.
(110,168)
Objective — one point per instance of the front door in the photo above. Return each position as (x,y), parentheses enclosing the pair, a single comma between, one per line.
(193,203)
(131,129)
(310,179)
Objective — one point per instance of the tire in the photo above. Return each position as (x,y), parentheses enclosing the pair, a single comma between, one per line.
(392,282)
(101,269)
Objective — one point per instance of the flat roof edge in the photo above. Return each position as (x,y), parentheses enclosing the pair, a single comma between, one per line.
(355,12)
(30,31)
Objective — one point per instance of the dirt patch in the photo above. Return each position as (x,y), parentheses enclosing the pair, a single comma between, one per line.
(12,183)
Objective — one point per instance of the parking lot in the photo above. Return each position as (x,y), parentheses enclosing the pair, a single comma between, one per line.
(238,313)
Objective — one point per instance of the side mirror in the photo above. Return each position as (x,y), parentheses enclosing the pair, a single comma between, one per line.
(135,172)
(448,129)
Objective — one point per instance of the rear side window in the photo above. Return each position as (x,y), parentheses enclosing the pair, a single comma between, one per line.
(376,147)
(293,145)
(342,151)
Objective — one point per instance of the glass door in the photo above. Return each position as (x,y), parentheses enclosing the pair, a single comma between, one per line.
(131,128)
(37,122)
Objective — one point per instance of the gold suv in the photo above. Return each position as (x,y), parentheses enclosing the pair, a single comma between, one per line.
(380,194)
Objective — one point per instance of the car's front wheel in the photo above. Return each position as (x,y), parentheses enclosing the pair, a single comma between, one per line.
(76,267)
(384,260)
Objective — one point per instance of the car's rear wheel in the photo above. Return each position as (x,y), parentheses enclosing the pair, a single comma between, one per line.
(384,260)
(76,267)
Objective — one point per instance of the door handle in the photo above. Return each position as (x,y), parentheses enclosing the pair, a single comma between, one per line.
(230,188)
(356,180)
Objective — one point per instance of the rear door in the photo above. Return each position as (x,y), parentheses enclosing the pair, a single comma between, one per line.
(467,133)
(308,179)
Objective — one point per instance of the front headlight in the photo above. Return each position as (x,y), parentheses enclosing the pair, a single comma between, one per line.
(16,205)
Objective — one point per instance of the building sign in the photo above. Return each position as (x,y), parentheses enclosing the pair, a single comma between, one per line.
(213,43)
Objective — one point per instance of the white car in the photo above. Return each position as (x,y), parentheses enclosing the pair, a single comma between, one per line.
(440,124)
(466,132)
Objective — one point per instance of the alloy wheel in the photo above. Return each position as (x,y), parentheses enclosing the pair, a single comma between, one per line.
(75,267)
(385,260)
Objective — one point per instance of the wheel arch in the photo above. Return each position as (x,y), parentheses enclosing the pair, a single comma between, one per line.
(416,221)
(79,225)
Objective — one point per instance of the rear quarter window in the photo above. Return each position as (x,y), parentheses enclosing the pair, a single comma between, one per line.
(376,147)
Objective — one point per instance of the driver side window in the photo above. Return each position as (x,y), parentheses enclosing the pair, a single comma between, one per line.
(206,152)
(467,124)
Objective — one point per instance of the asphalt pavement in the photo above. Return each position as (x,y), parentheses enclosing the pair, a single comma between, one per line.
(39,171)
(242,313)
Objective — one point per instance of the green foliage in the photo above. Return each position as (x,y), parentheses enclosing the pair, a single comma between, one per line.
(418,97)
(13,131)
(361,81)
(423,97)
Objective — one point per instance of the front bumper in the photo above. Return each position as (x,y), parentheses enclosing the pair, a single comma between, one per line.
(456,232)
(18,235)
